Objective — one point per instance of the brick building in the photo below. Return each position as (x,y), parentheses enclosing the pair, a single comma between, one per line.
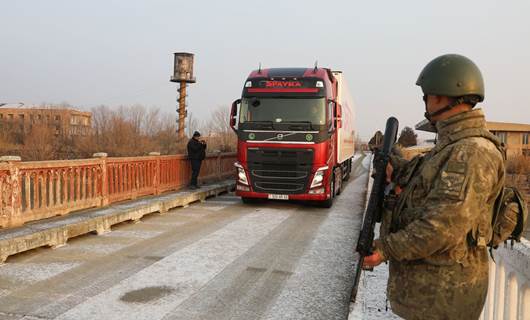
(516,136)
(69,122)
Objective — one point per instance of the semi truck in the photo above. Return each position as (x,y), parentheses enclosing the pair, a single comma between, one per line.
(295,135)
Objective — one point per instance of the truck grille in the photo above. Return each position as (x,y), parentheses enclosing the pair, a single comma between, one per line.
(281,171)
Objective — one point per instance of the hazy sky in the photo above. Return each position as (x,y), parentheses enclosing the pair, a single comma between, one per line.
(108,52)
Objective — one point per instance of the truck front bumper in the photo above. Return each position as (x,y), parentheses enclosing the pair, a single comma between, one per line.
(299,196)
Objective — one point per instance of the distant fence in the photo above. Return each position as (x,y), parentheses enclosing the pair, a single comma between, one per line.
(42,189)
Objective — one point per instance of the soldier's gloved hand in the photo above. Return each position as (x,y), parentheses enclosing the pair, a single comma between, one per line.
(389,170)
(376,258)
(373,260)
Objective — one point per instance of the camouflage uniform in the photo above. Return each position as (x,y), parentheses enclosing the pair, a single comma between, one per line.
(442,221)
(376,141)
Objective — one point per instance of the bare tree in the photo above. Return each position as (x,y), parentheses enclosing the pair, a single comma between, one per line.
(167,136)
(192,124)
(152,121)
(40,143)
(408,137)
(220,132)
(123,131)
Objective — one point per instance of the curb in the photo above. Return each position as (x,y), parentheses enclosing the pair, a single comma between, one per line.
(355,310)
(55,232)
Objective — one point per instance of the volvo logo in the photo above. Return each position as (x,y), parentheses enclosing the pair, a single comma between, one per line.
(279,136)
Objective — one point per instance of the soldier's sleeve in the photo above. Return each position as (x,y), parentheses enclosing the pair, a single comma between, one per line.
(453,206)
(399,164)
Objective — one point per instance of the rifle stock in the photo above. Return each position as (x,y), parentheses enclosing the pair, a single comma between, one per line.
(373,213)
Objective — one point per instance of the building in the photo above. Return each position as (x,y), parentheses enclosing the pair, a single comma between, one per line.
(68,122)
(515,136)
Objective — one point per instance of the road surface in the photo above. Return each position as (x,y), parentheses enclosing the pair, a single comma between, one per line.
(220,259)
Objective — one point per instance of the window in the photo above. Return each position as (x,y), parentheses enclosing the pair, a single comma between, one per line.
(525,137)
(501,135)
(57,118)
(283,110)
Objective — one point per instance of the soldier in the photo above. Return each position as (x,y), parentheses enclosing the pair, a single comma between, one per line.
(441,222)
(376,142)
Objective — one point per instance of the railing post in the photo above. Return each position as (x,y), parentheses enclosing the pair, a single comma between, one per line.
(102,156)
(487,313)
(219,168)
(525,303)
(156,178)
(14,203)
(500,277)
(511,296)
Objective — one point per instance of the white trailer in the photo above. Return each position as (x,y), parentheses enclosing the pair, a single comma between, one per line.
(346,129)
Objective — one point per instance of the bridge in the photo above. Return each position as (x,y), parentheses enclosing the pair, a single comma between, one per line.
(121,238)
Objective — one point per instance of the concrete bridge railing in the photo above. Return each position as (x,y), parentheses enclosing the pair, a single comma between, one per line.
(509,283)
(42,189)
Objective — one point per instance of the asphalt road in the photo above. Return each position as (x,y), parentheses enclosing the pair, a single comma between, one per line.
(220,259)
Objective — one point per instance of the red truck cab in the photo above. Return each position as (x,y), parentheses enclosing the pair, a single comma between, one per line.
(295,135)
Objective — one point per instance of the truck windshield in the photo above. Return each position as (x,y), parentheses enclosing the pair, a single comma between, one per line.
(283,110)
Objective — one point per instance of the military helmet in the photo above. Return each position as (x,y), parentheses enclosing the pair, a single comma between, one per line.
(452,75)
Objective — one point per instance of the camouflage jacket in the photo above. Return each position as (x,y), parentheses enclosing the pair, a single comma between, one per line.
(441,223)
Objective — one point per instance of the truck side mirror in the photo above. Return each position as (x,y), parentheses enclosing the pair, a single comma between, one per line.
(338,116)
(233,114)
(331,115)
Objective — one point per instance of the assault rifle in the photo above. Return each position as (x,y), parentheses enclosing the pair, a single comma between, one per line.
(375,202)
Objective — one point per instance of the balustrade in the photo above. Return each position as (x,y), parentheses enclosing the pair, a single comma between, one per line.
(42,189)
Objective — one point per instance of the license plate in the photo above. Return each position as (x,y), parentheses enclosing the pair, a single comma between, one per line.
(279,196)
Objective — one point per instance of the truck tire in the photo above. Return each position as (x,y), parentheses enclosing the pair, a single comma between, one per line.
(247,200)
(340,179)
(347,174)
(329,202)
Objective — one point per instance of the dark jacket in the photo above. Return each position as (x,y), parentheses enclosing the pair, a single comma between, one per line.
(196,150)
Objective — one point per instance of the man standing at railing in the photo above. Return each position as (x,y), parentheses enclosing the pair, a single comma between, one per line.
(440,224)
(196,153)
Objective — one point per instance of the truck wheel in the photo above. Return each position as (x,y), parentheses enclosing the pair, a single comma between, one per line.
(329,202)
(348,171)
(338,185)
(247,200)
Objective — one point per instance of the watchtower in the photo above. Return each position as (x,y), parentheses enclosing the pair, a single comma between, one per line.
(183,74)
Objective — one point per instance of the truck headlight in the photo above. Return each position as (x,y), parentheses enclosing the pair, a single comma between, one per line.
(318,178)
(241,175)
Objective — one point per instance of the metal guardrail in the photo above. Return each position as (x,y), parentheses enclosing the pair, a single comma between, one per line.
(41,189)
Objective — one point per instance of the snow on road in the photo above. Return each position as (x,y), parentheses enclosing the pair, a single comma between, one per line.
(178,276)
